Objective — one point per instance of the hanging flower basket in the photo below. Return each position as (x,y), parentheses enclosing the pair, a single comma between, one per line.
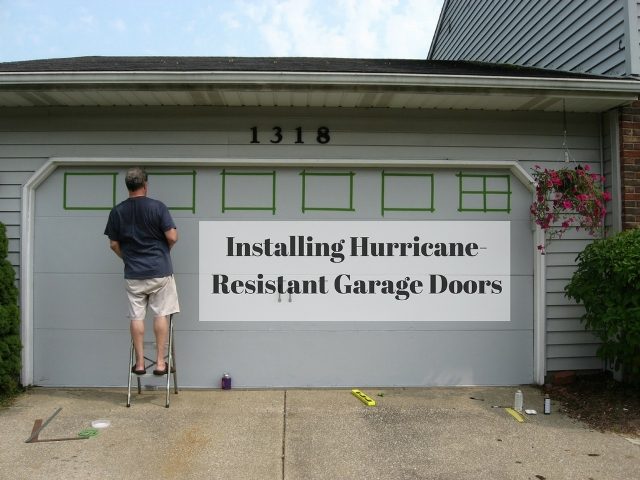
(568,198)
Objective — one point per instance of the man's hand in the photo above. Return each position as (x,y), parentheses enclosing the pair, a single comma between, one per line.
(115,246)
(172,237)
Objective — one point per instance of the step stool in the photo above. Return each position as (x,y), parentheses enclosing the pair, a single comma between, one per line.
(170,358)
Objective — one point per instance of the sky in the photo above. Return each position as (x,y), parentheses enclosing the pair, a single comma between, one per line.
(35,29)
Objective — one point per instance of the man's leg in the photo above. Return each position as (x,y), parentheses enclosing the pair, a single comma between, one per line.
(161,330)
(137,334)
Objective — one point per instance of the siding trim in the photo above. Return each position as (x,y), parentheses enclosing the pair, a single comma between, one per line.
(631,40)
(28,227)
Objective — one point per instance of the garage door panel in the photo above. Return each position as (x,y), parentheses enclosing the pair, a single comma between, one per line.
(98,301)
(184,256)
(79,301)
(522,248)
(80,309)
(79,358)
(79,192)
(62,247)
(74,245)
(521,302)
(287,359)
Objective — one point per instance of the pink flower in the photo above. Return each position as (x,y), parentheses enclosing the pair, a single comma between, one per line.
(568,190)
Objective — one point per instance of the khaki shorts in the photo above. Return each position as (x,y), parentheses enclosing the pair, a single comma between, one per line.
(159,294)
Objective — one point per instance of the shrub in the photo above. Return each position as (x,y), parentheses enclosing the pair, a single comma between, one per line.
(10,347)
(607,283)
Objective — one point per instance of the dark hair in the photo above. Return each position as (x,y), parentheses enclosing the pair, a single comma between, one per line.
(135,178)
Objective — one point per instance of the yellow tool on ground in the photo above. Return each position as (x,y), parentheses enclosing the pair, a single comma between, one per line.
(367,400)
(515,415)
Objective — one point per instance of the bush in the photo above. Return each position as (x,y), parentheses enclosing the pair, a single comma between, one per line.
(607,283)
(10,347)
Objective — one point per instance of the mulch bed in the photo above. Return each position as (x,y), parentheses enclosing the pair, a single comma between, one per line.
(601,402)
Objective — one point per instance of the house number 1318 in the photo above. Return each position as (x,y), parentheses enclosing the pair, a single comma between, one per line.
(322,135)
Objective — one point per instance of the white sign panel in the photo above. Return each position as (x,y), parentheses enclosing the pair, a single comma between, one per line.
(354,271)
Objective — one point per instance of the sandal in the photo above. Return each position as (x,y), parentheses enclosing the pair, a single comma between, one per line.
(165,370)
(138,372)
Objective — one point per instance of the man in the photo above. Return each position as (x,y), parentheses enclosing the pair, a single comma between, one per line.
(142,233)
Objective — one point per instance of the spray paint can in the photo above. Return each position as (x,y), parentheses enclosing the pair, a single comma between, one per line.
(518,401)
(226,381)
(547,405)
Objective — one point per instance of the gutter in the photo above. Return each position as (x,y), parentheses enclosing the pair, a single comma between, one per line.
(590,86)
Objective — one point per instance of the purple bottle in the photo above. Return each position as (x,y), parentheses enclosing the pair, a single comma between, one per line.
(226,381)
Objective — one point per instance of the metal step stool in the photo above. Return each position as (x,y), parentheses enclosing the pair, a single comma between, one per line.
(170,358)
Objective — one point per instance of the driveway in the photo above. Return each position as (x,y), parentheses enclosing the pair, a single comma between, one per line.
(412,433)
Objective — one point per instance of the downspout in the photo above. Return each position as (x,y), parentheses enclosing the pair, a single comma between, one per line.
(601,145)
(539,307)
(615,183)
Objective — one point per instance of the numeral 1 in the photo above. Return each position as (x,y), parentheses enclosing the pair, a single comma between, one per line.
(254,135)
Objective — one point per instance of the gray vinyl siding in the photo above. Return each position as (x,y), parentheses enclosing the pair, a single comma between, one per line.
(634,28)
(585,36)
(14,172)
(569,346)
(28,137)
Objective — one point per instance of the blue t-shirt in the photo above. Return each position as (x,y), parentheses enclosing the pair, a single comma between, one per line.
(139,224)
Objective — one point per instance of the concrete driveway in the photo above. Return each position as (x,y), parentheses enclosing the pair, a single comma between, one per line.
(412,433)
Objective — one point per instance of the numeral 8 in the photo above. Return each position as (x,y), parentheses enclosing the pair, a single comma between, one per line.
(323,135)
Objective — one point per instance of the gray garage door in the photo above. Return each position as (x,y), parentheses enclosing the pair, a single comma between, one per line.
(298,277)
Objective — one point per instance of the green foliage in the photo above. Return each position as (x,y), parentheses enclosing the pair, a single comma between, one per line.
(607,283)
(4,242)
(10,347)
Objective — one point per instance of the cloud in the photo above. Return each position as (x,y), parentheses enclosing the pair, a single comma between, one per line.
(87,20)
(410,31)
(320,28)
(119,24)
(230,20)
(345,28)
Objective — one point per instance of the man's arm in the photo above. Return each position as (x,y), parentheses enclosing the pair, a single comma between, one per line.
(115,246)
(172,237)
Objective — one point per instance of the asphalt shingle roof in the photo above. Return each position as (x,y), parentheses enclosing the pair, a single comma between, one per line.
(278,64)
